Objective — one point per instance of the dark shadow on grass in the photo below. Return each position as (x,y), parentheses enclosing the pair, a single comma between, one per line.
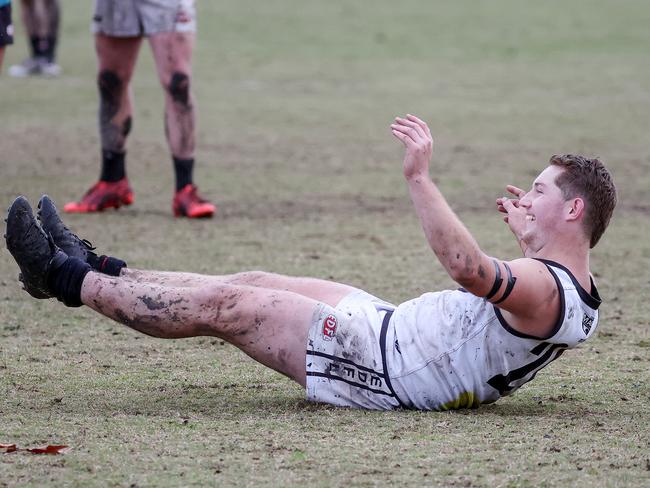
(260,401)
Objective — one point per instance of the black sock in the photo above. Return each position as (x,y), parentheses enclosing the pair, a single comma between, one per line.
(37,46)
(113,165)
(49,48)
(183,170)
(105,264)
(65,281)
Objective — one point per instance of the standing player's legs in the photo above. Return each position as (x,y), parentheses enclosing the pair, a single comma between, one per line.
(172,52)
(41,19)
(271,326)
(324,291)
(116,58)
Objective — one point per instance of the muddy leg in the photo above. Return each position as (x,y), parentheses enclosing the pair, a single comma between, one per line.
(271,326)
(320,290)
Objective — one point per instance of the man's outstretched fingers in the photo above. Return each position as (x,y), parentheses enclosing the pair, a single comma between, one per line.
(414,125)
(402,133)
(402,137)
(420,122)
(518,192)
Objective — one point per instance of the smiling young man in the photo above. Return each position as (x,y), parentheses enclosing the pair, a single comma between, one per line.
(442,350)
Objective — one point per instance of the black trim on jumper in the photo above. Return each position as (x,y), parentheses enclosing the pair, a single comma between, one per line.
(345,380)
(497,281)
(591,299)
(509,286)
(558,323)
(382,347)
(502,382)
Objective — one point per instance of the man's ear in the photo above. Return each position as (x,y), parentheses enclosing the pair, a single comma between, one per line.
(575,208)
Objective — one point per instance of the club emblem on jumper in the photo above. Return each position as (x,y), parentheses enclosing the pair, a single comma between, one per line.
(587,322)
(329,327)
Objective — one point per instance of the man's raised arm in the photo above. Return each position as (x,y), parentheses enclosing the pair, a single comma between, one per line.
(523,287)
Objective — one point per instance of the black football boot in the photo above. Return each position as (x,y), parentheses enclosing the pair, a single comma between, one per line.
(71,244)
(34,251)
(63,237)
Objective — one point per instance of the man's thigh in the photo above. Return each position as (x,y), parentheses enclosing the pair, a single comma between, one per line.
(271,326)
(117,54)
(172,52)
(329,292)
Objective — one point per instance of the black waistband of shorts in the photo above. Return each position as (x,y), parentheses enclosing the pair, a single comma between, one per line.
(382,347)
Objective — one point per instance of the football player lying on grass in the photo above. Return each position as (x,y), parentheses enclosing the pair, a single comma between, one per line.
(446,349)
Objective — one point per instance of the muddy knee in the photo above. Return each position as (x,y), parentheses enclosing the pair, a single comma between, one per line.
(179,88)
(110,87)
(112,90)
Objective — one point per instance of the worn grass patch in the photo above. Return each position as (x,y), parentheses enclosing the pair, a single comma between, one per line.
(294,103)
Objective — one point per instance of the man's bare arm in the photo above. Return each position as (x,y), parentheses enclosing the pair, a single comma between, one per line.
(523,288)
(451,242)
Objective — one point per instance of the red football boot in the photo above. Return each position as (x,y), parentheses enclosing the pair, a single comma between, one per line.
(188,203)
(102,195)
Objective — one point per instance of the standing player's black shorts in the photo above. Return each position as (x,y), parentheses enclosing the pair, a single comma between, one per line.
(6,27)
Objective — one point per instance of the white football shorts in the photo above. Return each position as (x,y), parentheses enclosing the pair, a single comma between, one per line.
(135,18)
(346,364)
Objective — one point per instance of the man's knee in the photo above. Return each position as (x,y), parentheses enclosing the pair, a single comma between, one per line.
(179,88)
(110,86)
(250,278)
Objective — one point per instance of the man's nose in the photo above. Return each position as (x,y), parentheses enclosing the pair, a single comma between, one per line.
(525,200)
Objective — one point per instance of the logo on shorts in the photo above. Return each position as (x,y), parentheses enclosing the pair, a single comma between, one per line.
(587,322)
(329,327)
(183,17)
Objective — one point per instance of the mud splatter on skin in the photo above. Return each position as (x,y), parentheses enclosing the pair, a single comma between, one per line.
(181,111)
(283,360)
(157,303)
(481,271)
(123,318)
(111,92)
(154,325)
(98,306)
(179,89)
(468,264)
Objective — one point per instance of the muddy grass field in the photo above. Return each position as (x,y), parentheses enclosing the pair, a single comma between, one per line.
(294,102)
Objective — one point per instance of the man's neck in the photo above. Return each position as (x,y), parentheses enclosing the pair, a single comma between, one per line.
(574,257)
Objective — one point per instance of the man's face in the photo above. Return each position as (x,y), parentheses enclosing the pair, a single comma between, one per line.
(545,207)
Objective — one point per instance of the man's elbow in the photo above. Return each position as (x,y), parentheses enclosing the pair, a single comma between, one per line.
(466,280)
(463,276)
(467,272)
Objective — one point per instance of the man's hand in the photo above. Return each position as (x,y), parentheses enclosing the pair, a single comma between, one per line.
(515,215)
(416,137)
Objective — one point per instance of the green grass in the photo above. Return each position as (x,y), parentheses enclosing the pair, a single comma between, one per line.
(294,103)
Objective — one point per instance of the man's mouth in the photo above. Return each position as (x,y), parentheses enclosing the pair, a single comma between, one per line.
(530,218)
